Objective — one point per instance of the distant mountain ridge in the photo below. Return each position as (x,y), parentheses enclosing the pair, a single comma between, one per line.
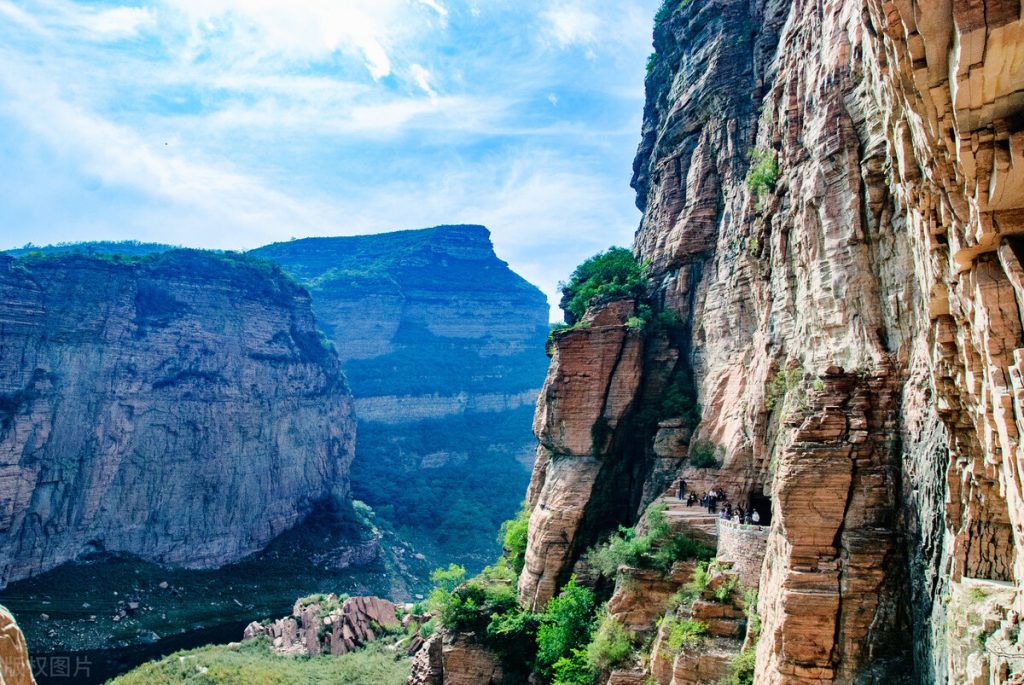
(443,346)
(126,248)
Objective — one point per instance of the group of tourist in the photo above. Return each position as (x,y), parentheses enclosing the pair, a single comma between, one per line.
(710,500)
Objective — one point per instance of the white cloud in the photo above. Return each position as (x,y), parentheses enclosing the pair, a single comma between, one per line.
(422,78)
(82,21)
(436,6)
(277,29)
(118,157)
(20,17)
(121,22)
(572,24)
(324,117)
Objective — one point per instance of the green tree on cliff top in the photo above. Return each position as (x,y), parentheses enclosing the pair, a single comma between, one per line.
(611,273)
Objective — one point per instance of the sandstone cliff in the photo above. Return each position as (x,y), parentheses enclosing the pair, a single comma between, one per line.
(15,667)
(178,407)
(443,346)
(832,209)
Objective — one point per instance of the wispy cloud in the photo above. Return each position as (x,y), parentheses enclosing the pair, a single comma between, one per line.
(572,23)
(230,123)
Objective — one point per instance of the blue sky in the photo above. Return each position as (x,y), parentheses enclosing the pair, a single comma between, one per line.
(234,123)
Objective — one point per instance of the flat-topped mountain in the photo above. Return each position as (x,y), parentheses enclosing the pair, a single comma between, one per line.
(443,346)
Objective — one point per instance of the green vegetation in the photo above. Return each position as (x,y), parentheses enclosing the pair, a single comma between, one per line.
(425,363)
(253,662)
(724,591)
(764,172)
(667,9)
(555,643)
(557,328)
(704,455)
(781,384)
(652,61)
(573,669)
(566,625)
(513,538)
(699,581)
(328,265)
(742,668)
(750,609)
(176,600)
(611,645)
(612,273)
(679,399)
(975,595)
(658,548)
(468,606)
(684,632)
(121,248)
(449,512)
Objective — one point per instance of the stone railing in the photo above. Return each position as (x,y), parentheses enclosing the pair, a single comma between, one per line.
(743,545)
(753,528)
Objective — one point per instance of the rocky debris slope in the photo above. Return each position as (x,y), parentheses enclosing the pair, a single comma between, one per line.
(328,624)
(15,668)
(832,210)
(443,346)
(180,407)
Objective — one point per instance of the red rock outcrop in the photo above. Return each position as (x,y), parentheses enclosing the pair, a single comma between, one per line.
(15,668)
(455,659)
(591,384)
(641,595)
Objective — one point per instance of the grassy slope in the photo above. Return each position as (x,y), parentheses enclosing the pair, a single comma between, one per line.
(252,663)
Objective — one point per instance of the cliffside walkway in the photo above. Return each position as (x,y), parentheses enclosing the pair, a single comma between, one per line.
(693,521)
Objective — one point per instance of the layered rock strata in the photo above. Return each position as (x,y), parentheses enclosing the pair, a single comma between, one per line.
(180,407)
(591,384)
(455,659)
(832,208)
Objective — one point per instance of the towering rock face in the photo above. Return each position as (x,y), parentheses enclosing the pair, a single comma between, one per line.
(594,375)
(443,346)
(179,407)
(832,207)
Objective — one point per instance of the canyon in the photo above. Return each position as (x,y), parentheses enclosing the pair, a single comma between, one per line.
(830,333)
(169,413)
